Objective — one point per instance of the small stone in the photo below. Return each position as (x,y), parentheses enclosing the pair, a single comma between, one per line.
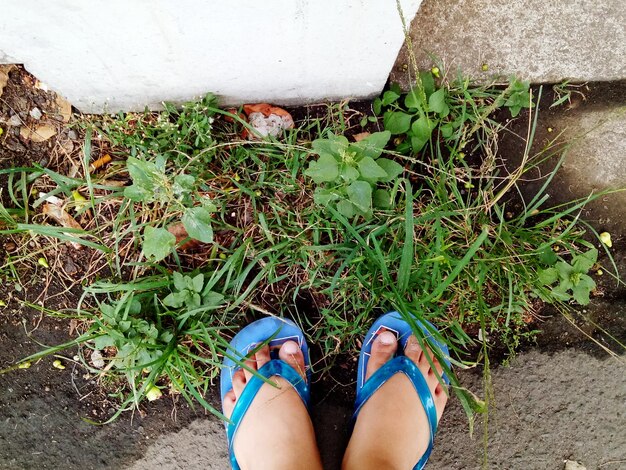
(35,113)
(72,134)
(96,359)
(70,267)
(573,465)
(15,121)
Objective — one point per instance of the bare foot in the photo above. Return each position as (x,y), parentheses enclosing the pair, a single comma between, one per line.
(276,431)
(392,429)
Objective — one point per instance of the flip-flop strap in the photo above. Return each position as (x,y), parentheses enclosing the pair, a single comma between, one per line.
(402,364)
(273,368)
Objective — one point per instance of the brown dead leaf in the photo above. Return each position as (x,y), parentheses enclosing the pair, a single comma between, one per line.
(360,136)
(4,75)
(179,231)
(61,217)
(40,133)
(64,108)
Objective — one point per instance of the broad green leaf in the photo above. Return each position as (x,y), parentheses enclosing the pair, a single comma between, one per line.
(437,101)
(564,269)
(103,341)
(428,82)
(360,194)
(176,299)
(157,243)
(560,293)
(417,144)
(197,222)
(392,169)
(422,128)
(183,184)
(413,99)
(323,196)
(583,262)
(397,122)
(373,145)
(198,282)
(389,97)
(142,173)
(349,173)
(325,169)
(382,199)
(446,130)
(138,193)
(330,146)
(548,276)
(346,208)
(213,299)
(370,170)
(179,281)
(548,257)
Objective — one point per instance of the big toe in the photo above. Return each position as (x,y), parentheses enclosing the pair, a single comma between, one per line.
(383,349)
(291,353)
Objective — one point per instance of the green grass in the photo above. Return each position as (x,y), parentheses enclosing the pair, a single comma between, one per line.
(452,248)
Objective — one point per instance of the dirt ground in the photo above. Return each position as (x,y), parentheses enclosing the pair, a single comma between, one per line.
(561,398)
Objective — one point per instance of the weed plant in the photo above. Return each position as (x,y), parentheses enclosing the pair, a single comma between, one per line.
(278,227)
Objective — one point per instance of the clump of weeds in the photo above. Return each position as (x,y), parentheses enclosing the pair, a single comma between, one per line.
(202,230)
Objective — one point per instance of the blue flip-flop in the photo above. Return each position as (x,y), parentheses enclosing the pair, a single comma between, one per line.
(393,322)
(277,331)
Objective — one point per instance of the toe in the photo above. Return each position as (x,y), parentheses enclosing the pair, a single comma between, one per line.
(239,382)
(228,404)
(256,361)
(291,353)
(383,349)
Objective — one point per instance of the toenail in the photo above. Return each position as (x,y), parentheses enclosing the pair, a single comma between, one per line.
(290,347)
(387,338)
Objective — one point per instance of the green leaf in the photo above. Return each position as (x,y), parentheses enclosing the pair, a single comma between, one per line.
(437,101)
(583,262)
(176,299)
(428,82)
(377,106)
(382,199)
(349,173)
(157,243)
(393,169)
(346,208)
(179,281)
(325,169)
(213,299)
(330,146)
(446,130)
(397,122)
(197,222)
(417,144)
(370,170)
(548,276)
(198,282)
(413,100)
(183,184)
(422,128)
(142,173)
(560,293)
(389,97)
(324,196)
(548,257)
(360,194)
(103,341)
(138,194)
(373,145)
(564,269)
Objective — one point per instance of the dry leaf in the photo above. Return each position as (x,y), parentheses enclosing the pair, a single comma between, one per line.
(362,135)
(62,218)
(41,133)
(179,231)
(4,75)
(64,108)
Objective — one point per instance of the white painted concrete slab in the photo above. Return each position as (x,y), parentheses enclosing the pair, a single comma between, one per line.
(120,55)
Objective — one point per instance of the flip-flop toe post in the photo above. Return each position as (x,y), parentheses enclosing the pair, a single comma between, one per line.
(394,322)
(274,331)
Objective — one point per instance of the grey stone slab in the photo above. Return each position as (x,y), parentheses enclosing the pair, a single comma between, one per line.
(545,42)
